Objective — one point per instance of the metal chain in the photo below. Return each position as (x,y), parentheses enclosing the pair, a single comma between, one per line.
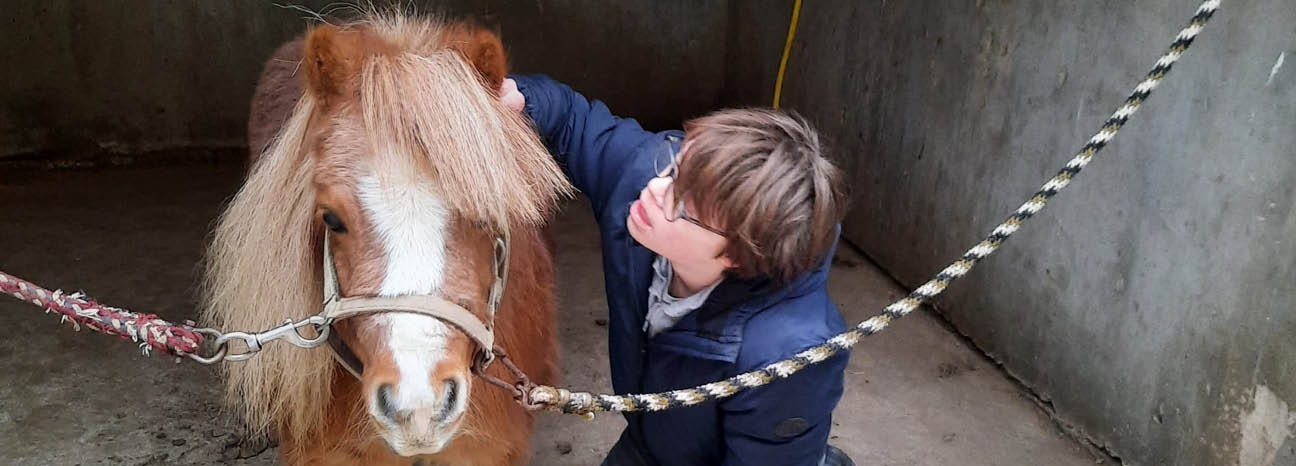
(584,403)
(521,388)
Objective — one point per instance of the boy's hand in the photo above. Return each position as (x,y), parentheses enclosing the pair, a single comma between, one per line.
(510,96)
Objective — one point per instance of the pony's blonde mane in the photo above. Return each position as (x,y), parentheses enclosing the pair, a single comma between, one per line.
(261,269)
(263,264)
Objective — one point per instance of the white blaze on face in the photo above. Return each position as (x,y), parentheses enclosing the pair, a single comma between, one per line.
(411,222)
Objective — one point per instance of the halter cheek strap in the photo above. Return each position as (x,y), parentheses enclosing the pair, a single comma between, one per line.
(480,332)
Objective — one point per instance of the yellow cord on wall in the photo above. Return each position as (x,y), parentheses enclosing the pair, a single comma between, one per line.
(787,50)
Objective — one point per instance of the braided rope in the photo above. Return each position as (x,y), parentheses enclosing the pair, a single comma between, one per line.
(151,332)
(584,403)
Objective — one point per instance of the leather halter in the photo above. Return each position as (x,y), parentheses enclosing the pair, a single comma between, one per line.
(481,332)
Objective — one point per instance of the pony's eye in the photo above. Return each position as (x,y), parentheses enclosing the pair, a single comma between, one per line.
(334,223)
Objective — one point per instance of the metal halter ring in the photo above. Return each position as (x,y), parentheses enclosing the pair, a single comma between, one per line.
(220,351)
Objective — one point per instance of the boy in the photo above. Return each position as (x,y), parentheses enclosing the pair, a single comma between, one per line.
(716,246)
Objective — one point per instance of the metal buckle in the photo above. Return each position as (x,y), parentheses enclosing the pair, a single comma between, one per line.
(497,287)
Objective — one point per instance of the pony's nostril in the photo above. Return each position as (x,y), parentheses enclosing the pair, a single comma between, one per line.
(451,389)
(452,392)
(384,401)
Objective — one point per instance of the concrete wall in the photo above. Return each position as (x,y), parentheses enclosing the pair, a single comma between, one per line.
(126,76)
(1152,303)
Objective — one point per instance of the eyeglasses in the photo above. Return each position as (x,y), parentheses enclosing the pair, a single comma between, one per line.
(671,170)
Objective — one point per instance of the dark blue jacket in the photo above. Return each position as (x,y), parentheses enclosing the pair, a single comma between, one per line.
(743,325)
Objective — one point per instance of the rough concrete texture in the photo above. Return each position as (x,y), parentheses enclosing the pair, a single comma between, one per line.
(1151,304)
(916,394)
(119,78)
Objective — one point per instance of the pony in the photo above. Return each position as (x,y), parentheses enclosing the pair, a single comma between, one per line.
(386,134)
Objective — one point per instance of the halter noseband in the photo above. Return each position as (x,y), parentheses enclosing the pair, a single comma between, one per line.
(481,332)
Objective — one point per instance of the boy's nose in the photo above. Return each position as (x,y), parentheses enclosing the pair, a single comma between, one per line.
(658,188)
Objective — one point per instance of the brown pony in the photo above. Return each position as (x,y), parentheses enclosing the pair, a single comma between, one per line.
(388,132)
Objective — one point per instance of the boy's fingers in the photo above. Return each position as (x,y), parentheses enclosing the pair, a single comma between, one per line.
(510,96)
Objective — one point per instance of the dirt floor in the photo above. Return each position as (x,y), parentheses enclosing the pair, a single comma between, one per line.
(916,394)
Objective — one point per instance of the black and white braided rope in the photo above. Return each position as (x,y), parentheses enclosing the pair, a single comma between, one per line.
(584,403)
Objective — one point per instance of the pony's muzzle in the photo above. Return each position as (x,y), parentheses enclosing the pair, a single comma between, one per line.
(418,419)
(387,407)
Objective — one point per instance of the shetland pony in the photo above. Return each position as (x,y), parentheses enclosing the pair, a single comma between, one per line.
(387,134)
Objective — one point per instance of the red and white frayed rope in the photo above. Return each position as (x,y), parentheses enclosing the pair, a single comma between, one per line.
(151,332)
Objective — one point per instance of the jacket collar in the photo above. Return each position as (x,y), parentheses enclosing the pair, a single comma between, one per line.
(715,330)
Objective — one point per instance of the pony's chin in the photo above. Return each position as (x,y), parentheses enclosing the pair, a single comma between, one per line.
(411,449)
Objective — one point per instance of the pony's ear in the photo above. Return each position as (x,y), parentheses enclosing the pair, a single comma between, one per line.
(331,60)
(484,50)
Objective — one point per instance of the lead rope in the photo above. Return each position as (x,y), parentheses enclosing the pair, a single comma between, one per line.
(79,310)
(584,403)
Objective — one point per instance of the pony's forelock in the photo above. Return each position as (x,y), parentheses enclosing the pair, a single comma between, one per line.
(433,110)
